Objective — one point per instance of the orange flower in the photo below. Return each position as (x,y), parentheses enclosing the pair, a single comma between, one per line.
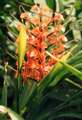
(36,9)
(58,17)
(24,15)
(41,36)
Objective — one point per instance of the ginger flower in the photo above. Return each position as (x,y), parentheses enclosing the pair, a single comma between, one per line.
(42,36)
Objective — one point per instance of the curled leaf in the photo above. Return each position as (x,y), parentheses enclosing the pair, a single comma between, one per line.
(13,115)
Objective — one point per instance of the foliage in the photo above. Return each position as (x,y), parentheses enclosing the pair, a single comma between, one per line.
(56,96)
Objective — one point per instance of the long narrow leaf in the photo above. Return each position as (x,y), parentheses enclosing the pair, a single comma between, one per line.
(69,115)
(73,83)
(4,92)
(73,70)
(26,96)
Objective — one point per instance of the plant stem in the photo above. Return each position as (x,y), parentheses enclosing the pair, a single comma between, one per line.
(57,5)
(17,90)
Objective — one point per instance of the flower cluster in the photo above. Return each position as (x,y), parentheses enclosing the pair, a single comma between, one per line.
(44,33)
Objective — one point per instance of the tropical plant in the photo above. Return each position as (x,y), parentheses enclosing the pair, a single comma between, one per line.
(37,84)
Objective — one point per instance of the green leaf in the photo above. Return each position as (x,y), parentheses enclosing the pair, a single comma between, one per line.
(55,71)
(76,57)
(51,4)
(73,83)
(56,111)
(62,73)
(4,91)
(69,115)
(78,4)
(31,2)
(26,95)
(73,70)
(78,48)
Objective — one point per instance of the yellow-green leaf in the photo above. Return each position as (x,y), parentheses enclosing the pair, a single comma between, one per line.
(22,38)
